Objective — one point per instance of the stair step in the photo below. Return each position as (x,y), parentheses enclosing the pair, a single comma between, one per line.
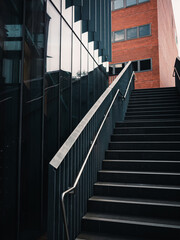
(152,145)
(146,137)
(156,90)
(159,116)
(100,236)
(141,165)
(152,98)
(135,226)
(139,177)
(152,94)
(164,99)
(143,154)
(154,109)
(134,207)
(148,123)
(143,191)
(152,104)
(157,112)
(144,130)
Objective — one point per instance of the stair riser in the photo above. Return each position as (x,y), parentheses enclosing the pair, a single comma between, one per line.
(155,101)
(143,145)
(153,112)
(151,95)
(152,105)
(145,137)
(148,124)
(153,98)
(141,166)
(133,230)
(149,155)
(147,90)
(162,116)
(138,192)
(139,178)
(134,209)
(155,109)
(146,130)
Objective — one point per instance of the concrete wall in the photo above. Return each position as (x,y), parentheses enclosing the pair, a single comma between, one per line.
(167,42)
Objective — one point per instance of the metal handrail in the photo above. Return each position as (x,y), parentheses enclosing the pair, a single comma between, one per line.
(177,72)
(72,189)
(124,97)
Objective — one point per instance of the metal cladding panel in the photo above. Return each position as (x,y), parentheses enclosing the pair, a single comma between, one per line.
(69,3)
(86,10)
(91,24)
(78,15)
(90,36)
(78,2)
(84,26)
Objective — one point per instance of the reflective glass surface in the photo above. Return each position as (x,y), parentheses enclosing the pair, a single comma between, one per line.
(11,17)
(131,33)
(144,30)
(32,118)
(145,65)
(118,4)
(76,77)
(65,81)
(119,36)
(130,2)
(142,1)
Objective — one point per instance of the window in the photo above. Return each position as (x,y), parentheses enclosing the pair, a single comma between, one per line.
(119,67)
(132,33)
(135,66)
(119,36)
(130,3)
(144,30)
(145,65)
(118,4)
(142,1)
(138,66)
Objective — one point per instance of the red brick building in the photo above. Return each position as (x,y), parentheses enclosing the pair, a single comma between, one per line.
(144,32)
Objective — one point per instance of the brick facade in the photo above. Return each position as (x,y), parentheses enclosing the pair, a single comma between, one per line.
(162,27)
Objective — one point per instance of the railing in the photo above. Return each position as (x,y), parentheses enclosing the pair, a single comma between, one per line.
(177,73)
(77,162)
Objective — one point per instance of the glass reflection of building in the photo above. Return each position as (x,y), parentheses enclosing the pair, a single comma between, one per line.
(53,61)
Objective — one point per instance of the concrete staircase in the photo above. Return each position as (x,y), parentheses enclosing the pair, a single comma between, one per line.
(137,195)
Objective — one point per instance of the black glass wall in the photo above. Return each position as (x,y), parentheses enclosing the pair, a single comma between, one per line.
(53,56)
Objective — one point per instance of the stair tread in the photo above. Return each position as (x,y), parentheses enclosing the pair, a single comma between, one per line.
(140,172)
(142,161)
(133,220)
(98,236)
(148,127)
(143,150)
(137,185)
(135,201)
(140,142)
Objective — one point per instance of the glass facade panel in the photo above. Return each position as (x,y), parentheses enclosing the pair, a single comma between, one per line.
(76,78)
(119,36)
(11,17)
(130,2)
(118,4)
(48,81)
(131,33)
(32,118)
(144,30)
(65,81)
(119,67)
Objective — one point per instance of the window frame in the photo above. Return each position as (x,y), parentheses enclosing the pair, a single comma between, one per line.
(125,4)
(149,24)
(125,34)
(138,65)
